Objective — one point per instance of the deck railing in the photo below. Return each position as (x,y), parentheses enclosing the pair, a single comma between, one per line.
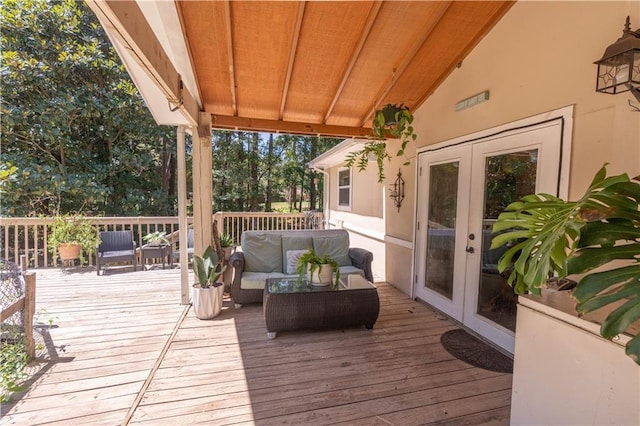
(234,223)
(29,236)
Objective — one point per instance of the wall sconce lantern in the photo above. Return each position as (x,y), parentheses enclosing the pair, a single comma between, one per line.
(397,191)
(619,68)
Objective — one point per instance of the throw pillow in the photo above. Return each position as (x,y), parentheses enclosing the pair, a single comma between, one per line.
(292,260)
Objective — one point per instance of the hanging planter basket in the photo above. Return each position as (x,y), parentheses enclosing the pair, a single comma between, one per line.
(389,112)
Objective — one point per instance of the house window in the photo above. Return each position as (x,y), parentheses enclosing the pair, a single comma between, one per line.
(344,189)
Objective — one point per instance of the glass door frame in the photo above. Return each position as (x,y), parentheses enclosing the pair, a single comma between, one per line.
(564,117)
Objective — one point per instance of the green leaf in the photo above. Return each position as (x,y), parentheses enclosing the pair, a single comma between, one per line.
(632,349)
(595,283)
(589,258)
(620,319)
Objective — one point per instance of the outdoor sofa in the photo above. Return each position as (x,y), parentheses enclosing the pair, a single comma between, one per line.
(271,254)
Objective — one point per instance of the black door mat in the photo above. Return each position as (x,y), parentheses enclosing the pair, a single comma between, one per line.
(474,351)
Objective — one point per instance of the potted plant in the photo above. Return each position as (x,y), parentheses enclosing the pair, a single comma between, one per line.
(72,236)
(207,292)
(394,119)
(551,236)
(156,238)
(318,270)
(226,242)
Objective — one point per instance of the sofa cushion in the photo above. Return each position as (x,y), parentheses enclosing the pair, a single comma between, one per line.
(292,261)
(262,251)
(336,247)
(294,243)
(257,280)
(344,270)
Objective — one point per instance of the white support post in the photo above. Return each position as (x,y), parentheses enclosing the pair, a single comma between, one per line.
(202,192)
(182,214)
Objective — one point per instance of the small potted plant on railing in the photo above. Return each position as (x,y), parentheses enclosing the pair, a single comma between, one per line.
(72,236)
(207,293)
(394,119)
(157,238)
(318,270)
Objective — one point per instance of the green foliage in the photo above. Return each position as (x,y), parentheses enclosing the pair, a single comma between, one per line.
(73,229)
(156,238)
(311,262)
(13,363)
(396,120)
(251,174)
(73,124)
(552,236)
(226,240)
(208,268)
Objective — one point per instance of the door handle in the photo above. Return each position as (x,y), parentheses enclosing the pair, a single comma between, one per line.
(470,249)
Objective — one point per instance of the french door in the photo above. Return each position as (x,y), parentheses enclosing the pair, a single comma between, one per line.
(461,191)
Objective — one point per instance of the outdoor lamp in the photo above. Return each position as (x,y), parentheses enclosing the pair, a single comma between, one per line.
(397,191)
(619,68)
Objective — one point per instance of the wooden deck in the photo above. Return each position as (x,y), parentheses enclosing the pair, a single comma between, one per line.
(120,349)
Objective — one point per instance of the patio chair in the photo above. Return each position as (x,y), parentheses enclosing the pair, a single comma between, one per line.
(116,246)
(190,245)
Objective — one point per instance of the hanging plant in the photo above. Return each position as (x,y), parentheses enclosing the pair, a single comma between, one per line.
(392,119)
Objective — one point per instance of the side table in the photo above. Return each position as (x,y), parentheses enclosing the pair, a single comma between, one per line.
(156,252)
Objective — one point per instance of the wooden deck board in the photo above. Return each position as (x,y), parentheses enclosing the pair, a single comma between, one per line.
(103,336)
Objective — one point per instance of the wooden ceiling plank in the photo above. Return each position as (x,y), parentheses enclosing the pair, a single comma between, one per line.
(480,33)
(232,74)
(373,14)
(292,57)
(278,126)
(133,30)
(444,6)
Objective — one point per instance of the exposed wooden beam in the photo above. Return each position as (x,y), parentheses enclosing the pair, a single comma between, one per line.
(204,125)
(278,126)
(126,22)
(232,69)
(292,57)
(463,54)
(395,76)
(373,14)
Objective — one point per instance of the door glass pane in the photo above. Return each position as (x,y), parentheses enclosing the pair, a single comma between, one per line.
(441,232)
(508,177)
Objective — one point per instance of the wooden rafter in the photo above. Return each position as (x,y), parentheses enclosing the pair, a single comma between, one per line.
(292,57)
(462,54)
(232,74)
(130,26)
(278,126)
(373,14)
(397,73)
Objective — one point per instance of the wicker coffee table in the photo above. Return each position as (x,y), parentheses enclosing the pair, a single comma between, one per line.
(289,304)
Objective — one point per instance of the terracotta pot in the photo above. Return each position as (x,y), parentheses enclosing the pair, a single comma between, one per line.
(207,302)
(69,251)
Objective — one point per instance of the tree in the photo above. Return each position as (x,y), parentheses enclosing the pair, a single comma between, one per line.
(73,124)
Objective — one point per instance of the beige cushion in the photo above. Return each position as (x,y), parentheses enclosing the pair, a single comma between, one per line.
(257,280)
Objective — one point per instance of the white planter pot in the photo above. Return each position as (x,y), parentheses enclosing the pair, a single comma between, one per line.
(321,276)
(207,302)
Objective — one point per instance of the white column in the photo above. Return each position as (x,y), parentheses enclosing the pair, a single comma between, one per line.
(202,192)
(182,214)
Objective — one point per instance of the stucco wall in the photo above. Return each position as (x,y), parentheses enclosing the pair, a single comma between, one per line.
(538,58)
